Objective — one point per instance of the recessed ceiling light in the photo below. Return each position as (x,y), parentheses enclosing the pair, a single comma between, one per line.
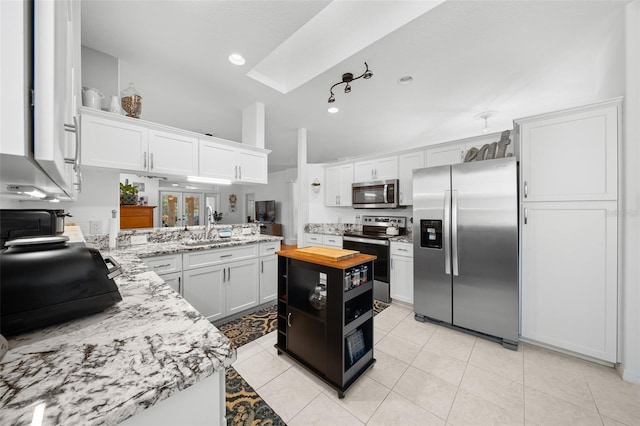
(407,79)
(333,110)
(236,59)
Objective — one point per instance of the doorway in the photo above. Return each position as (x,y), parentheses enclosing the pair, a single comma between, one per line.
(180,208)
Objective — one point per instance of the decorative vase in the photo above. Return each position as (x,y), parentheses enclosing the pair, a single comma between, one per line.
(318,297)
(131,101)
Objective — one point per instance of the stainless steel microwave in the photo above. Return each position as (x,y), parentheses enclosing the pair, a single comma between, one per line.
(379,194)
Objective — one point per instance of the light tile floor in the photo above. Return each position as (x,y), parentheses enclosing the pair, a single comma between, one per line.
(426,374)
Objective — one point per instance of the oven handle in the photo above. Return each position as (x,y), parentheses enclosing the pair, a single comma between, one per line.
(366,241)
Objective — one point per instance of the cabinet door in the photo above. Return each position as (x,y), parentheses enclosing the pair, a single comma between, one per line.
(306,338)
(406,164)
(173,153)
(401,286)
(56,85)
(217,161)
(386,168)
(204,289)
(252,166)
(174,280)
(313,240)
(241,285)
(443,155)
(332,188)
(268,278)
(363,171)
(570,155)
(113,144)
(569,276)
(346,181)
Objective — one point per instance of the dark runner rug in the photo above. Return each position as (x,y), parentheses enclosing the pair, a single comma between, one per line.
(244,406)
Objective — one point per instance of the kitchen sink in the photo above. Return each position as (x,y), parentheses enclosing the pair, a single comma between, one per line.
(196,243)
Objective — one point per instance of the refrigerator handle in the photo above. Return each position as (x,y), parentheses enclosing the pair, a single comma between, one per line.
(454,230)
(447,241)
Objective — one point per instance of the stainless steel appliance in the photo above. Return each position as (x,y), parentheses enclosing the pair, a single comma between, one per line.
(30,223)
(466,247)
(373,239)
(46,280)
(380,194)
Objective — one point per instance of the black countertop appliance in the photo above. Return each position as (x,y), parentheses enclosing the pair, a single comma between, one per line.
(16,223)
(46,280)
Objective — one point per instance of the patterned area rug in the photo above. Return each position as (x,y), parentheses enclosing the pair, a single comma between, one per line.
(244,405)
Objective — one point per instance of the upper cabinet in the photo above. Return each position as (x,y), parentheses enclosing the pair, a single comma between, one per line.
(338,187)
(127,144)
(570,155)
(444,155)
(173,154)
(378,169)
(407,163)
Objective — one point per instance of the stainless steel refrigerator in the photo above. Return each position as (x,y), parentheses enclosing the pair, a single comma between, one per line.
(465,239)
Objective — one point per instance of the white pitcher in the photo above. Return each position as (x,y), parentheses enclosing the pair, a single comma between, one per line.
(92,98)
(114,106)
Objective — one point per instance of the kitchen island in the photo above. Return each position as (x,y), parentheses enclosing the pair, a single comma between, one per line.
(334,339)
(150,359)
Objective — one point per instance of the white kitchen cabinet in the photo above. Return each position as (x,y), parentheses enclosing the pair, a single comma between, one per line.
(252,166)
(332,241)
(113,144)
(338,185)
(571,154)
(569,276)
(169,268)
(217,160)
(204,288)
(407,163)
(378,169)
(57,90)
(441,155)
(174,280)
(268,271)
(201,258)
(312,239)
(401,280)
(173,154)
(241,286)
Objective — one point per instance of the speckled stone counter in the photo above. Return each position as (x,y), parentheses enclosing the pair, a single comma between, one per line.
(105,368)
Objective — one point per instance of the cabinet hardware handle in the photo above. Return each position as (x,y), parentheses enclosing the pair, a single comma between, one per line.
(240,172)
(401,249)
(180,285)
(226,255)
(289,319)
(525,215)
(526,189)
(145,160)
(262,266)
(229,274)
(151,161)
(161,266)
(236,172)
(462,155)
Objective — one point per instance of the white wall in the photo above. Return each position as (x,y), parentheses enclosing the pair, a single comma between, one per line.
(100,71)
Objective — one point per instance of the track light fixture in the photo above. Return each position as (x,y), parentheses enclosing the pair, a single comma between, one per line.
(348,78)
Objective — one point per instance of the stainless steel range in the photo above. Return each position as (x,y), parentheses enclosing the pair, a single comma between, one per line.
(374,239)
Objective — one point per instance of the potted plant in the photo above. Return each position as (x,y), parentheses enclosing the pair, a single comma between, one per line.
(128,194)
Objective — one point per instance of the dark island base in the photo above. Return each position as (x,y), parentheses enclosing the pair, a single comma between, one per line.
(356,369)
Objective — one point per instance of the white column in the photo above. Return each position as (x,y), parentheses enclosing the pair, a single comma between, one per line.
(630,202)
(302,185)
(253,125)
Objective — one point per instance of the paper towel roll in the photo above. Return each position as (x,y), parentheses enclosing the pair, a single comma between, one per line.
(113,232)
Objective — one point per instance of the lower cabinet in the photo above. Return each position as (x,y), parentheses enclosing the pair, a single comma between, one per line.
(322,240)
(569,276)
(401,286)
(204,289)
(224,281)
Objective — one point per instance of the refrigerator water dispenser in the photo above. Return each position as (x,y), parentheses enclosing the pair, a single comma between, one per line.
(431,233)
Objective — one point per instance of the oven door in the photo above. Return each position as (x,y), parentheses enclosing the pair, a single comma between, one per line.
(381,266)
(378,194)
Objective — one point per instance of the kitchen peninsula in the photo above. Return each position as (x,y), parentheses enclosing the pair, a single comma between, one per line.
(325,312)
(150,359)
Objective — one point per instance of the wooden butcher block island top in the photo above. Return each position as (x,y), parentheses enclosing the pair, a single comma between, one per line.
(327,256)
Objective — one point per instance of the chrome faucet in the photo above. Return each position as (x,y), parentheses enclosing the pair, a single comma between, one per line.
(209,221)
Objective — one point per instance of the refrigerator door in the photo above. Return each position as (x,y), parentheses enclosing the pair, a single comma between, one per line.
(431,243)
(484,216)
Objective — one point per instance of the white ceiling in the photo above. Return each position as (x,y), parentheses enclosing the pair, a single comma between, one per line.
(515,57)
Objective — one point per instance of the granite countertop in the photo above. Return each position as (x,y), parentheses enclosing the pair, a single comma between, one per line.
(106,367)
